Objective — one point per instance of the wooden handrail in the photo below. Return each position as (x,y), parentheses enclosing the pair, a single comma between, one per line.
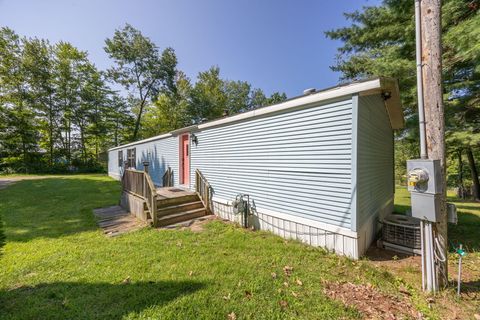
(151,197)
(203,190)
(140,184)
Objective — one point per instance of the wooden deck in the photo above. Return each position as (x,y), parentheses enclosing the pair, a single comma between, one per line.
(172,193)
(115,221)
(162,206)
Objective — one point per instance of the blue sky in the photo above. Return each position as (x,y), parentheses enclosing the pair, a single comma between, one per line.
(274,45)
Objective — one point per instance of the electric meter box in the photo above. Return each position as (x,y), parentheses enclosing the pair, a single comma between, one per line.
(426,206)
(424,176)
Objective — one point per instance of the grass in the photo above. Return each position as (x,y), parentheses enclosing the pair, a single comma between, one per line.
(467,230)
(467,233)
(56,264)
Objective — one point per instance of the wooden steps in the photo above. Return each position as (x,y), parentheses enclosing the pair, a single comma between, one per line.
(180,216)
(178,209)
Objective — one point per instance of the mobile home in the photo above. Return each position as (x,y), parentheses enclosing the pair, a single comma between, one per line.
(319,167)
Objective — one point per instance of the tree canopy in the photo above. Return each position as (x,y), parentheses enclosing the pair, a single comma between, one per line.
(58,112)
(381,42)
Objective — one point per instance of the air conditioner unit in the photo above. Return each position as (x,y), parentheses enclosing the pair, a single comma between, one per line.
(401,233)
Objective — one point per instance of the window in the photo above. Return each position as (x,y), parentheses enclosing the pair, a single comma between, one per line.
(120,158)
(131,159)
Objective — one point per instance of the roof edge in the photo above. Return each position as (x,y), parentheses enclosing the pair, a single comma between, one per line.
(369,86)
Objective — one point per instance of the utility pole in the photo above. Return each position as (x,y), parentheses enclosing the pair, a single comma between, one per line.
(434,114)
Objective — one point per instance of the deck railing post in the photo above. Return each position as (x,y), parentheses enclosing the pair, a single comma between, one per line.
(145,166)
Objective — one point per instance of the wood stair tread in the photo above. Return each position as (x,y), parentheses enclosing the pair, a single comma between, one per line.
(179,206)
(182,213)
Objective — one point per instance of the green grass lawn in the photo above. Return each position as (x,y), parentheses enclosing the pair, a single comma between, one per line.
(56,264)
(466,232)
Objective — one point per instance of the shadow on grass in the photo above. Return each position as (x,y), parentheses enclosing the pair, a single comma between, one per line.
(466,232)
(65,300)
(399,208)
(54,207)
(470,287)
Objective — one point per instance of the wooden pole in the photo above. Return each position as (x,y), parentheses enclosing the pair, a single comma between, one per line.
(434,112)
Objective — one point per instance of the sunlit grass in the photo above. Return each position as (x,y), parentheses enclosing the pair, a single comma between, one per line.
(57,264)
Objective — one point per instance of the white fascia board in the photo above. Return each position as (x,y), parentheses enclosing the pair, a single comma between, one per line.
(162,136)
(306,100)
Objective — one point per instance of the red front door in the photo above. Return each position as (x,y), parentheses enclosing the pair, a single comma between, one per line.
(185,162)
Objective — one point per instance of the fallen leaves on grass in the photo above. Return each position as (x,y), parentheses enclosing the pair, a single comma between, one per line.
(227,297)
(274,275)
(248,294)
(370,302)
(288,270)
(299,282)
(232,316)
(283,304)
(126,280)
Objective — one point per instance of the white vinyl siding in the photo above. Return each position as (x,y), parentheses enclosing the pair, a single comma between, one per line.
(297,162)
(161,154)
(375,163)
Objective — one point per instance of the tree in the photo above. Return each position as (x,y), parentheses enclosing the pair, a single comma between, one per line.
(139,67)
(276,97)
(38,65)
(18,138)
(69,62)
(170,110)
(237,96)
(119,121)
(381,42)
(208,99)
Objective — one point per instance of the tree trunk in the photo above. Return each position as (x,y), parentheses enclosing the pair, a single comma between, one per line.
(115,132)
(461,187)
(82,141)
(474,172)
(137,122)
(24,154)
(434,112)
(50,136)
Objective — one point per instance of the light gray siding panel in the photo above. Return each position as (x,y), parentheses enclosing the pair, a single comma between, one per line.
(161,154)
(113,168)
(375,163)
(296,163)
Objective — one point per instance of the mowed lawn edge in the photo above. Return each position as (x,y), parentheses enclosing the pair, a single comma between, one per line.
(57,264)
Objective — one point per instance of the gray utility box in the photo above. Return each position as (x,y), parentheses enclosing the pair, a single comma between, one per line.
(434,173)
(426,206)
(424,178)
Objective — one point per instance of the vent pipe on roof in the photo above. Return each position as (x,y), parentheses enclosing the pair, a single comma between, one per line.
(309,91)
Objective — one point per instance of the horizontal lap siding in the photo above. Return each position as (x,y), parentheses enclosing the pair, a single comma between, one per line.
(374,158)
(161,154)
(297,163)
(113,168)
